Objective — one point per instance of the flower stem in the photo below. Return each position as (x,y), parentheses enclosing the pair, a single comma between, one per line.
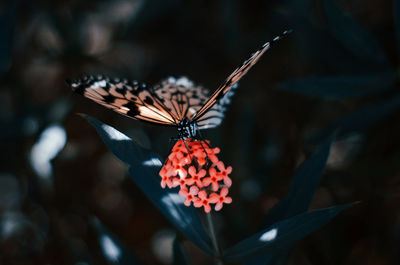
(210,223)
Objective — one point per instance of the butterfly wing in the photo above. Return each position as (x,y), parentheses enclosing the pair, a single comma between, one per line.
(215,115)
(181,96)
(129,98)
(235,77)
(169,102)
(183,99)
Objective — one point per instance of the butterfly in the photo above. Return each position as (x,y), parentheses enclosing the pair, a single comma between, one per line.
(176,102)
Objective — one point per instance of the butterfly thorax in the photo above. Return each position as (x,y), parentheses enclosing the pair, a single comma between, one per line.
(187,128)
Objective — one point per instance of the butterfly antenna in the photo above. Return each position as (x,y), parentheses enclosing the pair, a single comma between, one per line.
(279,37)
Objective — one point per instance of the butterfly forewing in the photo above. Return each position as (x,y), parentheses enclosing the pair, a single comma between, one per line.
(131,99)
(235,77)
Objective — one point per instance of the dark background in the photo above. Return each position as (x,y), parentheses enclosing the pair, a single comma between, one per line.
(269,130)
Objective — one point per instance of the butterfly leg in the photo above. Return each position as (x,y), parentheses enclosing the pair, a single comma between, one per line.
(205,151)
(201,140)
(188,149)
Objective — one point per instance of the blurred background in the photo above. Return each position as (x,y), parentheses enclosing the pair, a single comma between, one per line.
(60,187)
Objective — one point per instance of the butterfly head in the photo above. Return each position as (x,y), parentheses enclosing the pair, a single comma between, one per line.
(187,128)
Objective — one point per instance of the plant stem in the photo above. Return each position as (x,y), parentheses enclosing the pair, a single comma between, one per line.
(210,223)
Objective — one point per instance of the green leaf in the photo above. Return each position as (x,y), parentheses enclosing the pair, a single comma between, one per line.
(362,119)
(319,45)
(281,235)
(143,169)
(303,186)
(352,35)
(316,41)
(340,87)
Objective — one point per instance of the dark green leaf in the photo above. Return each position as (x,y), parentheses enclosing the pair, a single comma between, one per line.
(113,250)
(307,179)
(302,189)
(143,168)
(281,235)
(319,45)
(363,119)
(352,35)
(180,256)
(339,87)
(316,41)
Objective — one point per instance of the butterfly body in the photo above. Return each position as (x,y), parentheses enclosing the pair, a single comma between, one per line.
(187,129)
(175,102)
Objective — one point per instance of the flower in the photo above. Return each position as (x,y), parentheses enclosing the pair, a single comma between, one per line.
(202,201)
(224,173)
(196,177)
(202,179)
(168,181)
(213,179)
(181,182)
(220,199)
(179,146)
(189,195)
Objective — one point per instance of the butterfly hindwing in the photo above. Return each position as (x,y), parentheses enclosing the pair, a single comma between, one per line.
(184,99)
(181,96)
(131,99)
(215,115)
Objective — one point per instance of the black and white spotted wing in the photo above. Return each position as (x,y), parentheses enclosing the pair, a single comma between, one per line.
(131,99)
(172,101)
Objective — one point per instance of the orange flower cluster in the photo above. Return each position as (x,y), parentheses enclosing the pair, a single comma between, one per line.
(196,169)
